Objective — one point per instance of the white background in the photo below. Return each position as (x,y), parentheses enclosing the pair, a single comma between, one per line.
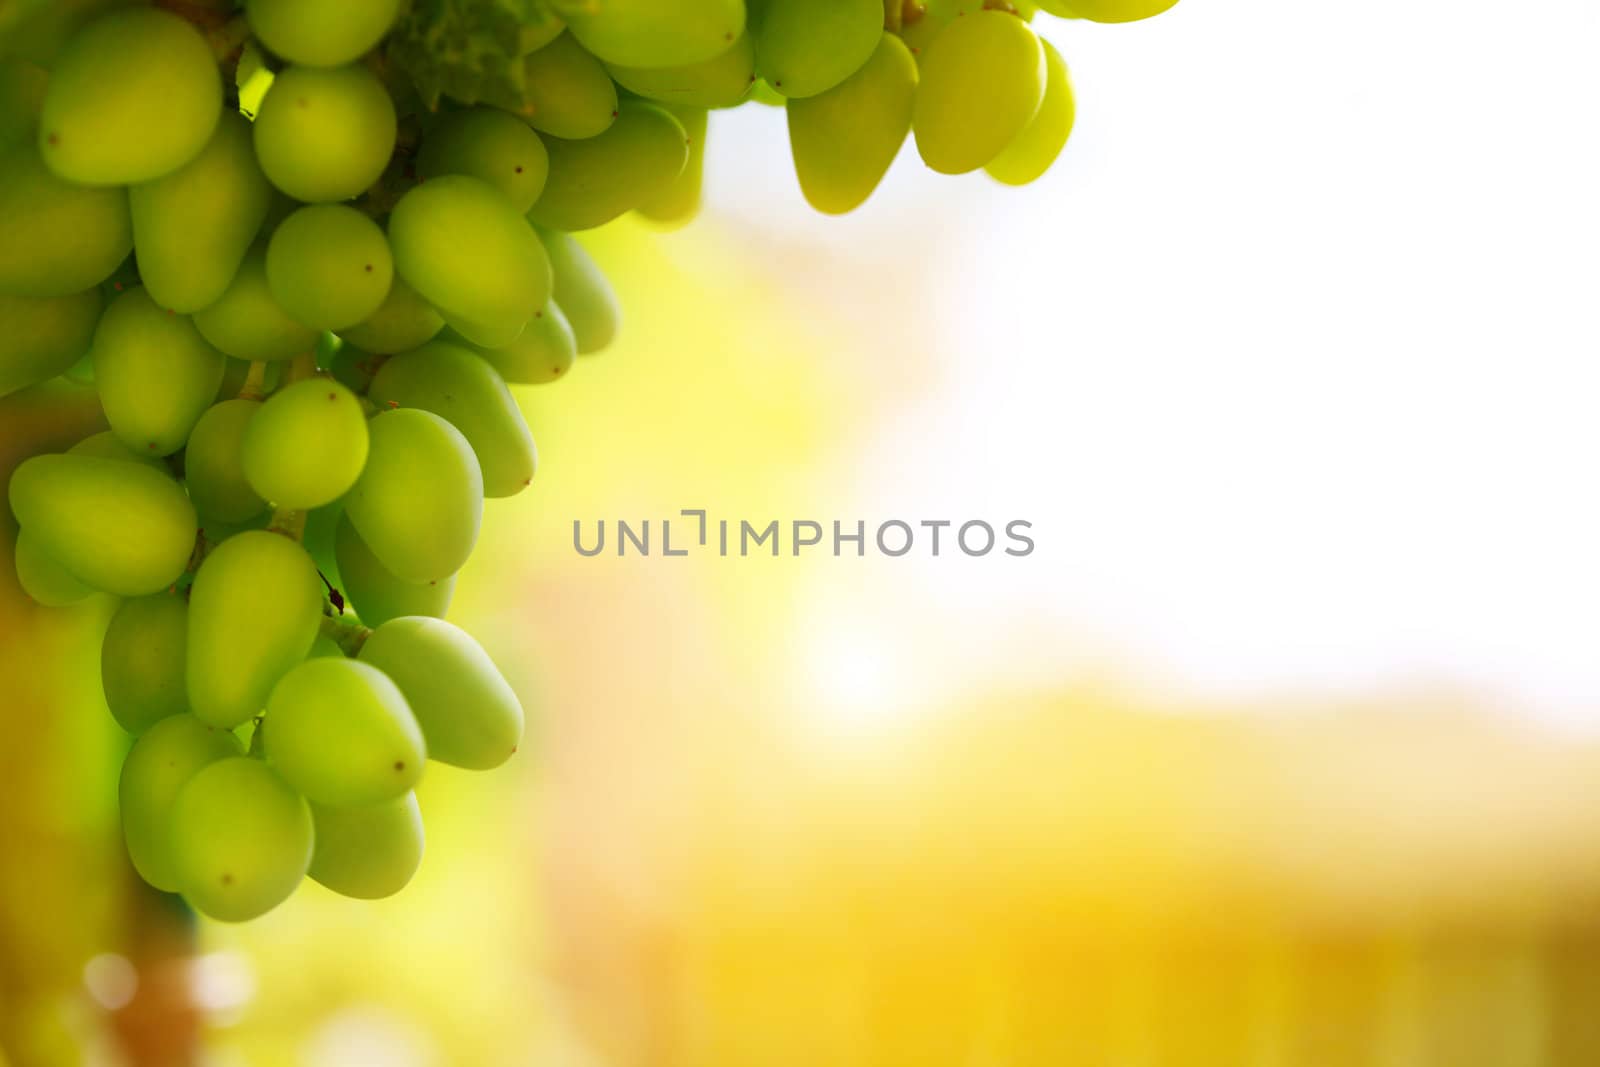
(1293,359)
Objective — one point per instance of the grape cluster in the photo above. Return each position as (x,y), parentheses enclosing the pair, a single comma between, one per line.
(301,250)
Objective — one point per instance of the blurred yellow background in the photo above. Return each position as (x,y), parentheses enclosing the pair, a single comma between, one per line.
(768,818)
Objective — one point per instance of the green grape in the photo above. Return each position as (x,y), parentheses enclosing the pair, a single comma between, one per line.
(306,445)
(107,445)
(155,373)
(404,320)
(321,533)
(118,527)
(316,33)
(679,203)
(56,239)
(566,92)
(1107,10)
(42,578)
(480,336)
(545,27)
(806,47)
(133,96)
(241,839)
(845,139)
(491,145)
(44,336)
(341,733)
(213,463)
(325,647)
(247,323)
(254,609)
(325,134)
(543,352)
(1038,145)
(329,266)
(160,764)
(462,247)
(192,228)
(468,713)
(22,86)
(375,593)
(982,81)
(724,80)
(657,33)
(453,383)
(419,502)
(370,852)
(141,661)
(762,93)
(585,296)
(592,182)
(934,17)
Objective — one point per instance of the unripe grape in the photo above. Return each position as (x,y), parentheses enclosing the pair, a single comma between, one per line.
(458,386)
(247,323)
(592,182)
(254,609)
(566,92)
(935,16)
(419,502)
(460,244)
(241,839)
(403,321)
(213,463)
(543,352)
(805,47)
(581,288)
(369,852)
(491,145)
(322,526)
(160,764)
(657,33)
(116,526)
(317,33)
(43,336)
(133,96)
(192,228)
(56,238)
(329,266)
(468,713)
(307,444)
(1038,145)
(982,82)
(142,661)
(156,375)
(679,202)
(341,733)
(724,80)
(374,591)
(845,139)
(1107,10)
(107,445)
(22,86)
(44,580)
(325,134)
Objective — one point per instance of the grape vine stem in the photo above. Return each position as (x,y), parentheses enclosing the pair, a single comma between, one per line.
(290,522)
(348,634)
(255,382)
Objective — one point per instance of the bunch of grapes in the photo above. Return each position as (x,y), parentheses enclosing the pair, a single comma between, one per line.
(301,250)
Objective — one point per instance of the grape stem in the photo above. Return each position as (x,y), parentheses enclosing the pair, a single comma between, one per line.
(348,634)
(303,366)
(893,11)
(289,522)
(255,382)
